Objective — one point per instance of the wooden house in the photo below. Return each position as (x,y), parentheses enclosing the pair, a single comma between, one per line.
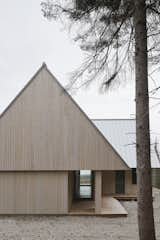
(47,143)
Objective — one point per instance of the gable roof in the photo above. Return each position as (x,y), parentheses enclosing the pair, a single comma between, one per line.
(23,89)
(43,82)
(121,133)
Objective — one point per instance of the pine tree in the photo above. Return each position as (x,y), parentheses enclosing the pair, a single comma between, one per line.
(113,33)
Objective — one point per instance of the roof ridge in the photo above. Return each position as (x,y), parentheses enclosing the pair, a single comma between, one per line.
(107,119)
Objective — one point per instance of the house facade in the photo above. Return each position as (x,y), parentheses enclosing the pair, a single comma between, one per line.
(46,140)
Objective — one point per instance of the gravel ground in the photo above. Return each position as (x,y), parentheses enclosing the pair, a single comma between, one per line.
(76,228)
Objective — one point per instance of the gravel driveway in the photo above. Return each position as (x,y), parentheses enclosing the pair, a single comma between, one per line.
(76,228)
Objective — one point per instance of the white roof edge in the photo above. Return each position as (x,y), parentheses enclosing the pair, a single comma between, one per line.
(113,119)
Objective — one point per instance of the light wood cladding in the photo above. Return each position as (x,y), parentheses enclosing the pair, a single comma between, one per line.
(108,183)
(44,129)
(70,188)
(33,193)
(98,191)
(130,189)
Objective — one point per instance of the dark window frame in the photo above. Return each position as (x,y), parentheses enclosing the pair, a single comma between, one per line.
(78,184)
(134,176)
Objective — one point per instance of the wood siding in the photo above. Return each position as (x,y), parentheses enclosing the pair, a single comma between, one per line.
(70,188)
(33,192)
(130,189)
(156,177)
(98,191)
(43,129)
(108,183)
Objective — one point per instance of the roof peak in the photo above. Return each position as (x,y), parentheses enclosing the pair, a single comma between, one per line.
(44,65)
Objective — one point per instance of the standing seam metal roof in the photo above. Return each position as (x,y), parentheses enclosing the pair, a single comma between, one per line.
(121,133)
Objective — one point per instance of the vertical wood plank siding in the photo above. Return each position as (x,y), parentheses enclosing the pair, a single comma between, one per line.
(70,188)
(44,130)
(108,183)
(33,193)
(98,191)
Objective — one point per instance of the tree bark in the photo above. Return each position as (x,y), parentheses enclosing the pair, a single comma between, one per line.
(145,205)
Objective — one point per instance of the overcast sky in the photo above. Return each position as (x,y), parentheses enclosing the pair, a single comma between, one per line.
(27,40)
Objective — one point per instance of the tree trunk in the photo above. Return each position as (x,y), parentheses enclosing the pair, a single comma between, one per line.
(145,206)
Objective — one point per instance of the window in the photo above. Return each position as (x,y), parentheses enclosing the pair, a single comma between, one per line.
(83,184)
(134,176)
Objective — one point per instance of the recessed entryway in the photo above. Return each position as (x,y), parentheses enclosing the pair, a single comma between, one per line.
(82,192)
(86,196)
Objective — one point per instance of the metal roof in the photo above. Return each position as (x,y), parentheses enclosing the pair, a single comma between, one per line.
(121,133)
